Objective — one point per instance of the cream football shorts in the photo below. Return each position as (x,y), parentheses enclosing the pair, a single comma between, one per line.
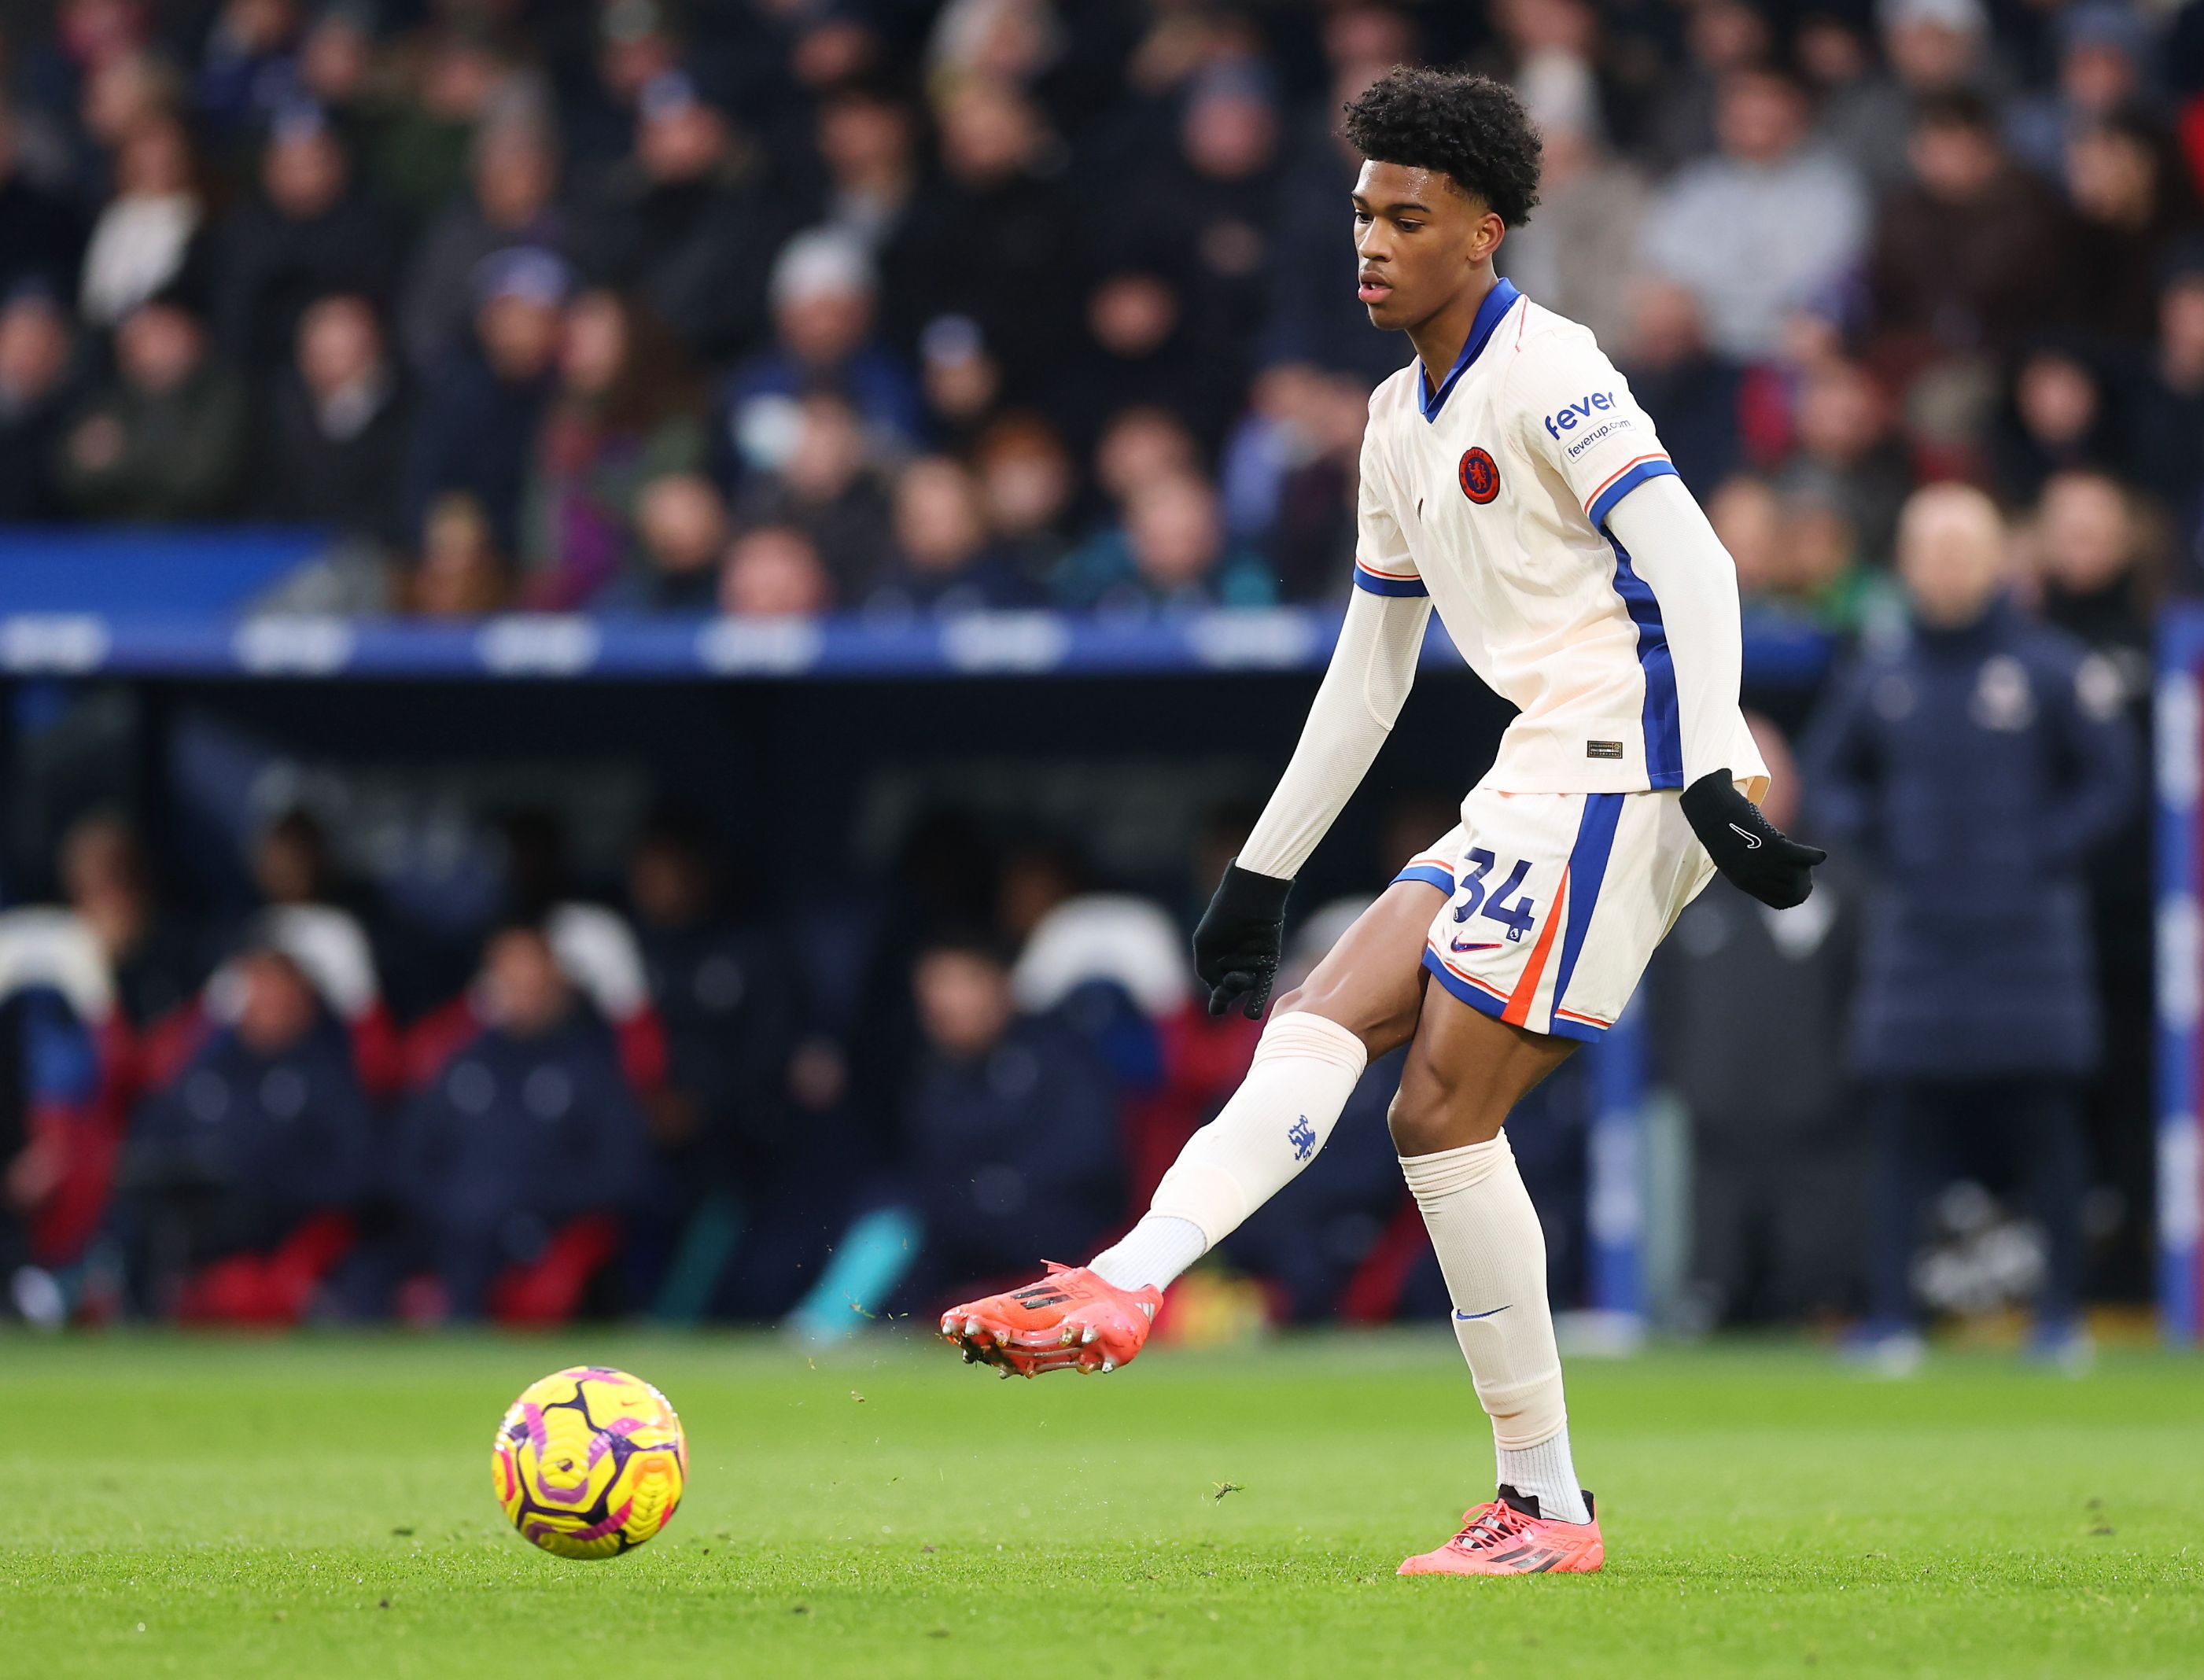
(1555,901)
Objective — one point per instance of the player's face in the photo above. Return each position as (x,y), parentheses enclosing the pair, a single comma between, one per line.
(1422,243)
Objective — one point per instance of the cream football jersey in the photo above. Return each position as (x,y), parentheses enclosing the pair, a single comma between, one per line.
(1491,495)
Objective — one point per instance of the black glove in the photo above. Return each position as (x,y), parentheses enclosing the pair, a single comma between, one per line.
(1237,941)
(1755,854)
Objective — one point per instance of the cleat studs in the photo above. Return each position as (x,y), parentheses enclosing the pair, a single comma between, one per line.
(1070,1332)
(971,1327)
(1090,1333)
(1109,1365)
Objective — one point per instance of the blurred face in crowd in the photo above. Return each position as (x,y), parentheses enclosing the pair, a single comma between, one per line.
(1840,411)
(1955,162)
(528,993)
(1140,445)
(824,323)
(963,1002)
(1132,315)
(457,80)
(1830,52)
(669,881)
(278,1006)
(339,345)
(2057,397)
(1951,555)
(866,142)
(460,575)
(773,573)
(829,452)
(1817,543)
(937,515)
(334,62)
(1761,118)
(104,877)
(519,335)
(1748,518)
(1928,54)
(2112,175)
(988,132)
(2096,76)
(682,140)
(1666,327)
(1176,532)
(1231,136)
(290,861)
(155,162)
(158,347)
(1025,479)
(123,94)
(683,524)
(594,344)
(2180,329)
(304,172)
(34,350)
(2085,532)
(514,172)
(258,26)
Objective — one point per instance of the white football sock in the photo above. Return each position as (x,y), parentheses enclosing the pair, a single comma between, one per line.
(1305,1069)
(1493,1256)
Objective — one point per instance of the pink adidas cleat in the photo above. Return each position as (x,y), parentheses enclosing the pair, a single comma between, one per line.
(1509,1537)
(1070,1320)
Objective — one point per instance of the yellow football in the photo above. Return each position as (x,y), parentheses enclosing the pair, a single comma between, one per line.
(590,1462)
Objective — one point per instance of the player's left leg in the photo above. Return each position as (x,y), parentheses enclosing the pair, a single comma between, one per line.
(1465,1071)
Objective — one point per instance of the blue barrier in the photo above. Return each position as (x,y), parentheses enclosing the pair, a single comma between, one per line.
(2179,990)
(146,568)
(544,646)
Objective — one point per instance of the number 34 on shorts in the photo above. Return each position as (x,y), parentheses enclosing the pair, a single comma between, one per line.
(1555,901)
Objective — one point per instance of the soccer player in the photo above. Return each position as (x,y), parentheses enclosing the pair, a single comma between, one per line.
(1508,478)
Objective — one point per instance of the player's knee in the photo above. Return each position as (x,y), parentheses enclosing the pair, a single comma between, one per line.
(1431,1113)
(1380,1034)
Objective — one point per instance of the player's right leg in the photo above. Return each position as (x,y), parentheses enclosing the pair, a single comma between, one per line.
(1359,1002)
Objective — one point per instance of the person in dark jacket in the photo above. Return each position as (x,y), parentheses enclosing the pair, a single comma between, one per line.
(1010,1129)
(529,1129)
(337,427)
(1975,764)
(264,1130)
(1750,1007)
(478,418)
(36,358)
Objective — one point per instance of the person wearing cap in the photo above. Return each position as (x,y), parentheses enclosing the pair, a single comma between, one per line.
(479,416)
(823,297)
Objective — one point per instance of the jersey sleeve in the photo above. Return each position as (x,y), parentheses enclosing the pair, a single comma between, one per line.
(1382,563)
(1574,411)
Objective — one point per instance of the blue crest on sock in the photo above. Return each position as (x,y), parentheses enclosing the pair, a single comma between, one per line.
(1302,1136)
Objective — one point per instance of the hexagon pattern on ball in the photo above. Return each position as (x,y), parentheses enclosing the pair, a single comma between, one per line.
(590,1462)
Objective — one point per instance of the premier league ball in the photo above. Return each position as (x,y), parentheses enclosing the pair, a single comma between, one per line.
(590,1463)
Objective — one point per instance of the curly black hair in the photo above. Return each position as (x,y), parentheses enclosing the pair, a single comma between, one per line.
(1469,127)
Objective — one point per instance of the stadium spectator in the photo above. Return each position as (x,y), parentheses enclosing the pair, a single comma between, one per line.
(1846,451)
(243,1172)
(866,140)
(1172,552)
(519,1159)
(337,426)
(1578,253)
(508,202)
(960,377)
(682,222)
(1289,476)
(942,560)
(823,297)
(148,950)
(775,572)
(1752,1008)
(681,529)
(1974,765)
(2056,418)
(2166,399)
(1027,482)
(36,356)
(1011,1127)
(249,67)
(461,573)
(820,471)
(1767,227)
(478,417)
(1973,252)
(2134,198)
(310,232)
(166,439)
(41,237)
(1673,374)
(152,233)
(2102,51)
(624,413)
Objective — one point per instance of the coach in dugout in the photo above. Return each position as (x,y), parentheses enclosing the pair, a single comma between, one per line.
(1973,763)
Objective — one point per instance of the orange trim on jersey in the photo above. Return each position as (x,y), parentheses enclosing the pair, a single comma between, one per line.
(1396,576)
(1588,1020)
(1518,1011)
(1601,488)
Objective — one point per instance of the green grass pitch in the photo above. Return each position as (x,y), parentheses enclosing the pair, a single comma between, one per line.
(323,1507)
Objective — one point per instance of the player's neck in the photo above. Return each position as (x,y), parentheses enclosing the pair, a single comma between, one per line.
(1439,338)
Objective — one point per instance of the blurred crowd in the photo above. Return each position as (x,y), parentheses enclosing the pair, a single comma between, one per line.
(779,306)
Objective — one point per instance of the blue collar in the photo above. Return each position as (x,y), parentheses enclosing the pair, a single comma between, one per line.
(1498,302)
